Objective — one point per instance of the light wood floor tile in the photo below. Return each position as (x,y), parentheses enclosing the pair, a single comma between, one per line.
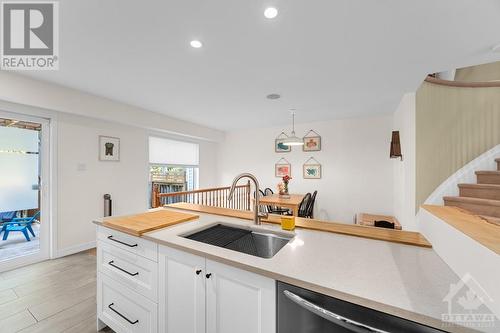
(17,322)
(58,281)
(67,300)
(7,296)
(65,319)
(22,303)
(41,272)
(54,296)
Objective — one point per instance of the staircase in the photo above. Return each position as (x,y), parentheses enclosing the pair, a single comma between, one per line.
(483,198)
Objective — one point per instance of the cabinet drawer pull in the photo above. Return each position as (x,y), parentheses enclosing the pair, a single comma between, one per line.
(198,272)
(115,240)
(111,263)
(118,313)
(208,275)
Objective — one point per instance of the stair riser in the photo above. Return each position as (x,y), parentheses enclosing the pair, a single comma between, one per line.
(493,211)
(488,179)
(493,194)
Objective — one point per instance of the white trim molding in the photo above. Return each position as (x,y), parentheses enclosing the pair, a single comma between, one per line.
(466,174)
(75,249)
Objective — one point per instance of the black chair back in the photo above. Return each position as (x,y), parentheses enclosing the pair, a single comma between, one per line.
(310,207)
(262,194)
(384,224)
(304,204)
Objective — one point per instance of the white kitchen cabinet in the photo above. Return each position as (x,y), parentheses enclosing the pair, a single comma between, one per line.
(136,272)
(239,301)
(181,292)
(194,291)
(124,310)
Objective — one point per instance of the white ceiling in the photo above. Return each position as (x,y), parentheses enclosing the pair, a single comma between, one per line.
(328,59)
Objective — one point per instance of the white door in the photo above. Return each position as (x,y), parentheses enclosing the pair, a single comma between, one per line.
(239,301)
(181,292)
(24,187)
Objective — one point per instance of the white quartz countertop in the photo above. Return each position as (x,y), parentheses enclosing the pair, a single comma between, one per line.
(403,280)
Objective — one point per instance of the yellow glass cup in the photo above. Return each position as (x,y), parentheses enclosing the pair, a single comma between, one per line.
(288,222)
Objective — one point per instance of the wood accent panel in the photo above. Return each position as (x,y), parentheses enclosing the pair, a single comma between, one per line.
(473,226)
(389,235)
(140,223)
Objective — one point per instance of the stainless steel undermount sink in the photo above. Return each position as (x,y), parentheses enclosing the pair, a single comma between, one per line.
(258,243)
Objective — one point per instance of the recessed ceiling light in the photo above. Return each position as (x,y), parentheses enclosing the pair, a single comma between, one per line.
(196,44)
(270,12)
(273,96)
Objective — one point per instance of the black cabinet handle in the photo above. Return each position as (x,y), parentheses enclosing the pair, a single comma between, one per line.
(115,240)
(198,272)
(121,269)
(118,313)
(208,275)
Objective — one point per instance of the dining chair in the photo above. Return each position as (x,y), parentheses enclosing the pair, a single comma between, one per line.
(310,207)
(304,205)
(274,209)
(264,208)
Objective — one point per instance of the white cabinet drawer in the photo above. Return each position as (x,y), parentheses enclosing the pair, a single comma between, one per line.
(124,310)
(137,273)
(134,244)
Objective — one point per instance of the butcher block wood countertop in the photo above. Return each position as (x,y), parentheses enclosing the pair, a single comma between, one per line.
(138,224)
(390,235)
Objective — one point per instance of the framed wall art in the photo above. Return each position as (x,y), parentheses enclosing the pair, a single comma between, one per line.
(311,169)
(109,149)
(282,168)
(312,141)
(279,146)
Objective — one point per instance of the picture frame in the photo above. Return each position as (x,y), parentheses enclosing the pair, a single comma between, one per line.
(312,170)
(279,146)
(312,141)
(109,149)
(282,168)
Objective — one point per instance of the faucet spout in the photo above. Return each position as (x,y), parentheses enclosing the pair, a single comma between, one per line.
(256,214)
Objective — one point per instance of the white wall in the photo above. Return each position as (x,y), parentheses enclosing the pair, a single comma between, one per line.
(357,171)
(404,171)
(81,179)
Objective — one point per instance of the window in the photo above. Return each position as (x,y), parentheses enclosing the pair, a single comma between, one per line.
(173,166)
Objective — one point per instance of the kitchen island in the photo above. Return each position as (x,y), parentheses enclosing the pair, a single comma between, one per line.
(406,281)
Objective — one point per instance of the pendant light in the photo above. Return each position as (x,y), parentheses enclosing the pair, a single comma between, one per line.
(293,140)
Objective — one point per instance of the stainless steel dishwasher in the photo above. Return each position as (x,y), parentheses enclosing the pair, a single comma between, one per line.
(304,311)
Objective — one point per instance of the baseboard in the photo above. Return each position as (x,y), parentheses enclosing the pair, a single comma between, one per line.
(75,249)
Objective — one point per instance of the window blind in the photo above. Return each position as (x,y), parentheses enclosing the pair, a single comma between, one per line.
(173,152)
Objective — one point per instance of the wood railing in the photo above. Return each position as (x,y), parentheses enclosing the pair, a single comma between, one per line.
(216,197)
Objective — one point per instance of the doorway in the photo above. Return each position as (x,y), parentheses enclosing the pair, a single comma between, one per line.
(24,180)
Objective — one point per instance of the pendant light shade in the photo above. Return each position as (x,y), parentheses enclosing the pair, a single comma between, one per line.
(293,140)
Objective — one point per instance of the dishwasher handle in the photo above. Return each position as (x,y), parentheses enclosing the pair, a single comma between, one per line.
(337,319)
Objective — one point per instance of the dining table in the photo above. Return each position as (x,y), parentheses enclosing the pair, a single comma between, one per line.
(291,201)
